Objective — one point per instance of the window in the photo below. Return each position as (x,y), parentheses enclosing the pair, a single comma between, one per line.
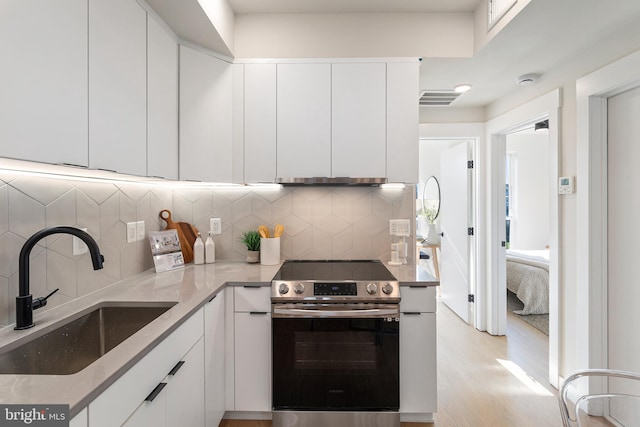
(497,9)
(510,193)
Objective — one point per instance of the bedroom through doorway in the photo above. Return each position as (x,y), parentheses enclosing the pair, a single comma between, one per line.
(527,222)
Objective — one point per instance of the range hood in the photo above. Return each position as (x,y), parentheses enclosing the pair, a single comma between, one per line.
(340,180)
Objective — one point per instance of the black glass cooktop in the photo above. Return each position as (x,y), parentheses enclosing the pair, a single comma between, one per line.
(334,270)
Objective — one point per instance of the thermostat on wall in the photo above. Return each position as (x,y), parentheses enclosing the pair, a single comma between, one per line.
(565,185)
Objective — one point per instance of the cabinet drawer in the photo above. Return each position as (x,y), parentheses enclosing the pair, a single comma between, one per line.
(419,299)
(252,298)
(122,398)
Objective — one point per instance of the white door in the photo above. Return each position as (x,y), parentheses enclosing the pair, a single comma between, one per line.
(454,223)
(623,252)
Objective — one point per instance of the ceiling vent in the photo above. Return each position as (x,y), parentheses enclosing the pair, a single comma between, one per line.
(437,98)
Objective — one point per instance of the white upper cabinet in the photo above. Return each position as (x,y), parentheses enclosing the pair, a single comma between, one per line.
(206,122)
(403,120)
(303,120)
(43,80)
(162,102)
(358,114)
(117,86)
(259,122)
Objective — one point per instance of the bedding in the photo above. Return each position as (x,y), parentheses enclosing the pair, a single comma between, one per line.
(528,278)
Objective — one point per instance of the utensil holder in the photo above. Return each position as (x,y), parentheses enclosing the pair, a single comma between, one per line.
(270,251)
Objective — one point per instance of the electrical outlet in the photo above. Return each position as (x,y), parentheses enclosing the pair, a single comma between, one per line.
(132,232)
(215,225)
(140,231)
(79,247)
(399,227)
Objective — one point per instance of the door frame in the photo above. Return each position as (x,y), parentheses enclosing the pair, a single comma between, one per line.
(592,93)
(474,134)
(543,107)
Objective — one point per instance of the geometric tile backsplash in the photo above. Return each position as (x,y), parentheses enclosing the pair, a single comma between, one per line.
(320,223)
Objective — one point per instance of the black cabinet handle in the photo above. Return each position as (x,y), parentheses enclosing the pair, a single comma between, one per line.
(256,313)
(176,368)
(418,286)
(411,313)
(252,286)
(156,391)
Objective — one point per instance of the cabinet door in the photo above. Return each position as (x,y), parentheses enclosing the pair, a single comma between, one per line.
(126,395)
(206,105)
(358,114)
(304,120)
(80,420)
(402,121)
(118,86)
(162,105)
(418,363)
(150,413)
(43,81)
(259,122)
(253,362)
(185,390)
(214,366)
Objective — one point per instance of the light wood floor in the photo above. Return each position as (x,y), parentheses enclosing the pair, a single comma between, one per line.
(485,381)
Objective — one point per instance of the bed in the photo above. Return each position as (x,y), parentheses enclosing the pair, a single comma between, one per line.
(528,278)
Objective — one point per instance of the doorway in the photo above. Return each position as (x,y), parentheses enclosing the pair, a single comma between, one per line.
(545,107)
(594,135)
(450,163)
(527,226)
(527,242)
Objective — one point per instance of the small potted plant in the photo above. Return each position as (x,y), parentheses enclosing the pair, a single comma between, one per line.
(251,240)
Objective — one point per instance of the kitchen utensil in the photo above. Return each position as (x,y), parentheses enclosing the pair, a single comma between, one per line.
(187,234)
(263,231)
(278,230)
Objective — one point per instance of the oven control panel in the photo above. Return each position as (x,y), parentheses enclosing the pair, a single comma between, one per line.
(331,288)
(305,290)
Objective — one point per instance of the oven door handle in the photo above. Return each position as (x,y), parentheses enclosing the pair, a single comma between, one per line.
(370,313)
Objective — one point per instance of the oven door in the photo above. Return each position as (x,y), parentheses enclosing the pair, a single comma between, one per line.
(336,357)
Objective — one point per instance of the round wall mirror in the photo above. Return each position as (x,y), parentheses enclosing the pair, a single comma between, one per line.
(431,198)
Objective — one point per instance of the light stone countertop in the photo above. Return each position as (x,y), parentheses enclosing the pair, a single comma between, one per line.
(191,288)
(411,275)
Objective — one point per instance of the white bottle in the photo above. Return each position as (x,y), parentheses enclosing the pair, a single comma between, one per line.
(198,251)
(210,250)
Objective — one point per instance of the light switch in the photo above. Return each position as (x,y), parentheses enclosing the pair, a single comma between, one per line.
(140,230)
(132,232)
(79,247)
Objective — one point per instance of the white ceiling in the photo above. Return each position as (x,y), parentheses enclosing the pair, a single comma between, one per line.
(545,37)
(351,6)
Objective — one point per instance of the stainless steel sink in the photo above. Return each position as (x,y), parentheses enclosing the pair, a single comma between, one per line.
(80,340)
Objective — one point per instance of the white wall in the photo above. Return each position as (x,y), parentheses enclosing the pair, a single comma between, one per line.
(353,35)
(530,226)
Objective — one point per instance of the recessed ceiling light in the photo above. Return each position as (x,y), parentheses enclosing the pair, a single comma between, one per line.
(462,88)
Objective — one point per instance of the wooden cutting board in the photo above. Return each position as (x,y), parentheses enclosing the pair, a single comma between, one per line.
(187,234)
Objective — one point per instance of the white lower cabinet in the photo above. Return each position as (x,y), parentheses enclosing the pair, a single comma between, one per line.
(214,360)
(252,349)
(180,402)
(418,386)
(80,420)
(253,361)
(179,399)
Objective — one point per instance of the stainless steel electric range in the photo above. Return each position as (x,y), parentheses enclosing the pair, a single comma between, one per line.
(335,327)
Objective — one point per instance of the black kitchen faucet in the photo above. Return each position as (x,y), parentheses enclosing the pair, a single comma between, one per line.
(25,304)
